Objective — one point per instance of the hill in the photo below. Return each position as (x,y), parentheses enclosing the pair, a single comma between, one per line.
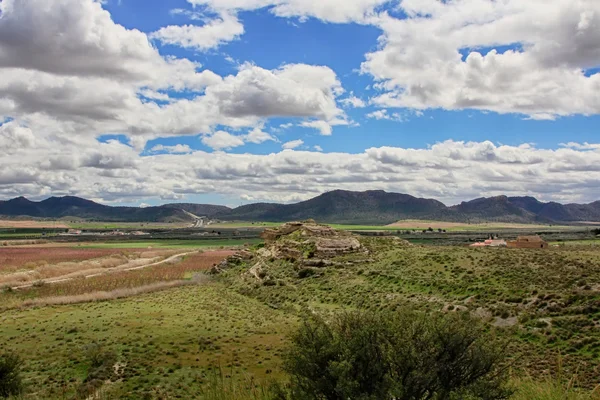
(374,207)
(339,206)
(69,206)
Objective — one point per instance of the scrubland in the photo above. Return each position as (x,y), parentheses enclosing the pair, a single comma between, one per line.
(173,331)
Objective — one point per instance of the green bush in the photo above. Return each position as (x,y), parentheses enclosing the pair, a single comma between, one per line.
(403,356)
(11,383)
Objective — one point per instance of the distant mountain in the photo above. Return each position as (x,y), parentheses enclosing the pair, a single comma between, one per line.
(69,206)
(339,206)
(499,208)
(374,207)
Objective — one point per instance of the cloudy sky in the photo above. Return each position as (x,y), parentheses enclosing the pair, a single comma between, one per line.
(235,101)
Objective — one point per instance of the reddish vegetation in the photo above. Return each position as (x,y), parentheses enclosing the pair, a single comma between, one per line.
(19,257)
(132,279)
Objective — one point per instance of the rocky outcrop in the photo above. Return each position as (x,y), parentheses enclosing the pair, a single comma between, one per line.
(307,240)
(306,244)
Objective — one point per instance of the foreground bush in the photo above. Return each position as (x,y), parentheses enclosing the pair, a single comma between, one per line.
(10,375)
(405,356)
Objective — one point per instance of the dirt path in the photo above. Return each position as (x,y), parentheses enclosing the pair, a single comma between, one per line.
(60,279)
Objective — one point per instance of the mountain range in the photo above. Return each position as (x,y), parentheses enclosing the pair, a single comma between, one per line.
(346,207)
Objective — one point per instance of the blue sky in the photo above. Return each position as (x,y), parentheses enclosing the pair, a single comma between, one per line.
(353,94)
(270,42)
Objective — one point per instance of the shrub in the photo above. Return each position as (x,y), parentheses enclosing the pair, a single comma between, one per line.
(101,369)
(305,273)
(404,356)
(11,383)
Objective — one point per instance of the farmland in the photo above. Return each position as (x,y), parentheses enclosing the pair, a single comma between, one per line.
(171,244)
(170,328)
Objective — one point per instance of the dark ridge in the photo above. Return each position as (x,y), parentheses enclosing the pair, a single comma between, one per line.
(373,207)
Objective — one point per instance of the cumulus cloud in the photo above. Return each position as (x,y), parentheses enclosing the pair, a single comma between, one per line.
(177,149)
(208,36)
(353,101)
(14,137)
(257,136)
(323,127)
(339,11)
(445,55)
(297,90)
(67,66)
(581,146)
(451,171)
(383,114)
(222,140)
(292,144)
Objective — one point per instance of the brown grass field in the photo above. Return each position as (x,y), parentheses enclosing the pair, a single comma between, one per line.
(32,224)
(109,277)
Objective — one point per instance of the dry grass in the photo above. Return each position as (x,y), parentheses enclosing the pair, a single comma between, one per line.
(108,282)
(32,224)
(112,295)
(549,389)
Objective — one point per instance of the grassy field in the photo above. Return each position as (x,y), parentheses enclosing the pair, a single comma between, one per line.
(591,242)
(459,226)
(127,225)
(400,225)
(546,302)
(168,330)
(167,344)
(417,225)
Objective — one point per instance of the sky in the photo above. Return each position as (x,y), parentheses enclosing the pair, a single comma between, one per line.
(236,101)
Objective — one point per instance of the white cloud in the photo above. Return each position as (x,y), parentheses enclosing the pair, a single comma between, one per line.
(383,114)
(258,136)
(292,144)
(14,137)
(221,140)
(323,127)
(211,35)
(297,90)
(581,146)
(353,101)
(339,11)
(68,69)
(318,148)
(450,171)
(176,149)
(419,63)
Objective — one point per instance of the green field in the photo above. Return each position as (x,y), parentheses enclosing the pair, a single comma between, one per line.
(168,342)
(590,242)
(170,244)
(417,225)
(171,343)
(83,225)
